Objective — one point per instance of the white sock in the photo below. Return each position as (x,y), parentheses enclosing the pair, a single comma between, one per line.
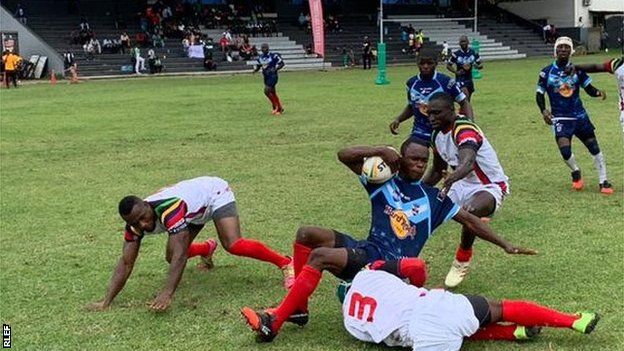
(571,162)
(601,167)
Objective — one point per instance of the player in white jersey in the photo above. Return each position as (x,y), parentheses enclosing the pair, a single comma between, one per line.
(613,66)
(380,308)
(182,210)
(477,182)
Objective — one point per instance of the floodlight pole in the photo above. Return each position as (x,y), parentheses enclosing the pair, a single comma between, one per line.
(476,7)
(381,51)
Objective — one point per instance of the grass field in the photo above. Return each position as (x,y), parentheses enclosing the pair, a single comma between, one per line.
(69,153)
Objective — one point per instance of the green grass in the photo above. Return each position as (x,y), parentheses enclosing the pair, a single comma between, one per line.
(69,153)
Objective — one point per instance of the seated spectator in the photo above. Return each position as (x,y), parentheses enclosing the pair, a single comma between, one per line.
(209,64)
(154,62)
(141,39)
(107,46)
(84,24)
(20,14)
(224,44)
(69,59)
(137,60)
(157,40)
(185,47)
(124,39)
(97,47)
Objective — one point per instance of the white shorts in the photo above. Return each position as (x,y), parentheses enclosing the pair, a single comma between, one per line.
(442,322)
(219,194)
(622,120)
(462,191)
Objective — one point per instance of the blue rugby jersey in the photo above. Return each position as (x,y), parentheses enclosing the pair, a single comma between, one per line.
(460,58)
(563,91)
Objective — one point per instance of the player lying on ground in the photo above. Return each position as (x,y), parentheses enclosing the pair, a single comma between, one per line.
(381,308)
(182,210)
(405,213)
(420,88)
(478,183)
(613,66)
(568,116)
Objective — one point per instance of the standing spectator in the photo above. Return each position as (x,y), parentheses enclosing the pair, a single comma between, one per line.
(604,39)
(139,62)
(445,51)
(125,42)
(420,39)
(11,66)
(366,52)
(546,32)
(303,21)
(224,44)
(20,14)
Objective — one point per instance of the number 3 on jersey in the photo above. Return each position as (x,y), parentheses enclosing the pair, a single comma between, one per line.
(358,305)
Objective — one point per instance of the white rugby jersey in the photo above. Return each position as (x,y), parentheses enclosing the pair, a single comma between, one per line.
(379,307)
(190,201)
(619,75)
(487,169)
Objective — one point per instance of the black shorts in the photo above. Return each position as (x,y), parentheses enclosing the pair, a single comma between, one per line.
(481,309)
(359,254)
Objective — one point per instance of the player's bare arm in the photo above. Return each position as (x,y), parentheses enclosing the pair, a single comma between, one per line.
(120,275)
(592,68)
(257,68)
(466,109)
(353,157)
(467,158)
(179,245)
(593,92)
(480,229)
(436,173)
(279,66)
(540,99)
(405,115)
(451,67)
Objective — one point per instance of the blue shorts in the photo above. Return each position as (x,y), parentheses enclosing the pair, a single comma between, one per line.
(581,128)
(422,132)
(468,84)
(373,252)
(270,80)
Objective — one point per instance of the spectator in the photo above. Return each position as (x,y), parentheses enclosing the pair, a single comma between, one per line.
(604,39)
(84,24)
(420,39)
(366,52)
(546,32)
(303,21)
(95,44)
(141,39)
(11,67)
(209,64)
(224,44)
(125,42)
(186,44)
(139,62)
(154,62)
(20,14)
(445,51)
(157,40)
(69,64)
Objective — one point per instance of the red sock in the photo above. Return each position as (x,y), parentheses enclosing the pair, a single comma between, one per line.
(270,97)
(198,249)
(414,269)
(495,332)
(257,250)
(277,101)
(300,257)
(531,314)
(463,255)
(298,295)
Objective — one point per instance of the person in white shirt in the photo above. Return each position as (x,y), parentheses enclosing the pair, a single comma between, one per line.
(380,308)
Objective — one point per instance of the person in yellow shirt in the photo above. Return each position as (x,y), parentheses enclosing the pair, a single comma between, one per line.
(11,62)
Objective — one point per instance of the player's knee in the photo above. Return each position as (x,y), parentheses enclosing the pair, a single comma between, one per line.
(307,235)
(566,152)
(319,258)
(592,146)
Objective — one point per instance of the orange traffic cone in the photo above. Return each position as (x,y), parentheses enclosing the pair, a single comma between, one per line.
(53,78)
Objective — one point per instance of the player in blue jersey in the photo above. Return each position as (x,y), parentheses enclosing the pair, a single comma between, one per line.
(405,213)
(568,116)
(420,88)
(464,59)
(270,63)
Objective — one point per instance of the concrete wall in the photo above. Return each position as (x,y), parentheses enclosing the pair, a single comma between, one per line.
(29,43)
(562,13)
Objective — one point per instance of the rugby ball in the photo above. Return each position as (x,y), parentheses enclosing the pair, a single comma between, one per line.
(376,170)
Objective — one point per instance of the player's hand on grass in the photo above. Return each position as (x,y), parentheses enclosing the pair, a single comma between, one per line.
(97,306)
(394,127)
(161,303)
(547,117)
(512,250)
